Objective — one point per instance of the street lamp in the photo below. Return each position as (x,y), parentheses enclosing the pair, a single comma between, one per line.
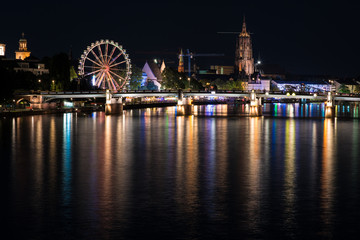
(53,85)
(257,65)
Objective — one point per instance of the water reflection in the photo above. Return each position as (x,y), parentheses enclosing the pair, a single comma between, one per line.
(254,187)
(327,177)
(298,110)
(149,171)
(290,175)
(187,166)
(67,158)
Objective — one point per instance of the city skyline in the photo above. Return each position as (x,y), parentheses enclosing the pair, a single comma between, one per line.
(297,36)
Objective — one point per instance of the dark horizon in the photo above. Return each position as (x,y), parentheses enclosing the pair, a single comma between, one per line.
(303,37)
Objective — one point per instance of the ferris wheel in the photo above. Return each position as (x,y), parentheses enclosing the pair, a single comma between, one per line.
(106,64)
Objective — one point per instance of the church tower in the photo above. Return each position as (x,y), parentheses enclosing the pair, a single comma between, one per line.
(181,62)
(244,60)
(23,52)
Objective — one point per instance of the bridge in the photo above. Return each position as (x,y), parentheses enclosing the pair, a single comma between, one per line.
(49,95)
(114,99)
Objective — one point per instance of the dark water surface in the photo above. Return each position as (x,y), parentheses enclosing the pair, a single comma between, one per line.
(151,175)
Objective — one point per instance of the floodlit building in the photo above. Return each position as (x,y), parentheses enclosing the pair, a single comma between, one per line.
(222,70)
(181,68)
(306,85)
(34,66)
(152,73)
(2,49)
(259,84)
(31,64)
(23,51)
(244,60)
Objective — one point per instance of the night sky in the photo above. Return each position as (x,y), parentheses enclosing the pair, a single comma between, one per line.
(305,37)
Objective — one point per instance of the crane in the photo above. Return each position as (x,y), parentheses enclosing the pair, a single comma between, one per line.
(229,32)
(190,55)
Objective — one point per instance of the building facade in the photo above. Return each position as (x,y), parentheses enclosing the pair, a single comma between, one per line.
(2,50)
(244,60)
(23,51)
(35,67)
(152,73)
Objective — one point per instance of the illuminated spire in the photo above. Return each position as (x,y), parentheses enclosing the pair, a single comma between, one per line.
(181,62)
(244,25)
(244,33)
(23,51)
(22,43)
(162,68)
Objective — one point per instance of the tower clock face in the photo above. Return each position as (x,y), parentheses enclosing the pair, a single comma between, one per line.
(2,51)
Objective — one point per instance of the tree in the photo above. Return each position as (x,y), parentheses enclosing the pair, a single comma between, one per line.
(15,80)
(343,89)
(151,86)
(357,89)
(73,74)
(173,79)
(59,71)
(195,84)
(136,78)
(228,84)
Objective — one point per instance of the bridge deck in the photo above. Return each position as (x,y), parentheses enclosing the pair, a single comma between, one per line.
(231,94)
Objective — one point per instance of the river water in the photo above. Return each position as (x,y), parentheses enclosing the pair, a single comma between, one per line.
(151,175)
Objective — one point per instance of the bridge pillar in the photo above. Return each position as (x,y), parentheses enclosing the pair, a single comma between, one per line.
(113,106)
(36,102)
(184,106)
(180,94)
(330,106)
(255,105)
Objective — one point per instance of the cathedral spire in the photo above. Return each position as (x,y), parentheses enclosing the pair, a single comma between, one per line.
(181,62)
(244,25)
(244,33)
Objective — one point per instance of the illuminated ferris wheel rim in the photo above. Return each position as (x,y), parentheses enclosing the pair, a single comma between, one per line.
(105,56)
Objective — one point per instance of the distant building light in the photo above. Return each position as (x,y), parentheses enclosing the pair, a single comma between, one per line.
(68,104)
(93,80)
